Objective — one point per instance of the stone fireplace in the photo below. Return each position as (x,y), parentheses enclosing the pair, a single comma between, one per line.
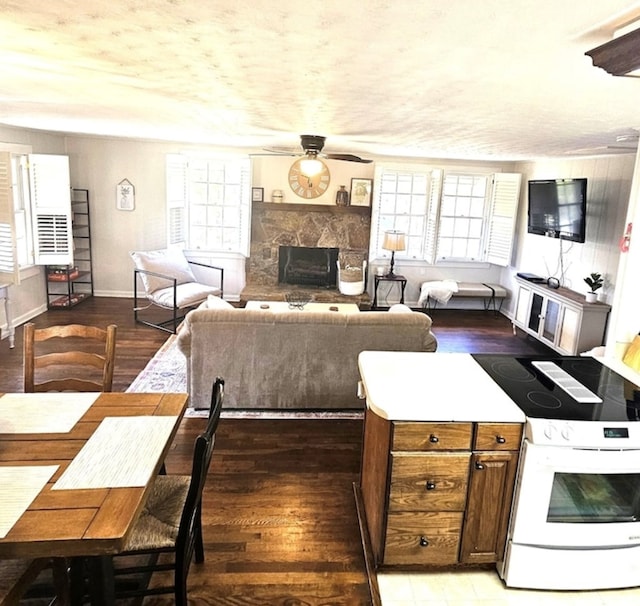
(345,229)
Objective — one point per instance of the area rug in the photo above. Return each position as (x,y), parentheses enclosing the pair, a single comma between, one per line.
(166,372)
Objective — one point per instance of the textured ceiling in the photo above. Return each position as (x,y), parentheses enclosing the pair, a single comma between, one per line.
(490,79)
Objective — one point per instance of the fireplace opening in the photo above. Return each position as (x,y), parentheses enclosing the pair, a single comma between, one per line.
(311,266)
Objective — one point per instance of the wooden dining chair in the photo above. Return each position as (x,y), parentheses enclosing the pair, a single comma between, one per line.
(84,350)
(171,522)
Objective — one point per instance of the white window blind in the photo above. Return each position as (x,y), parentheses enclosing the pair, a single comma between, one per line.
(502,217)
(51,209)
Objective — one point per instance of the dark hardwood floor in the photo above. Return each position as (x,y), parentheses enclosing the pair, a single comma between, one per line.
(280,524)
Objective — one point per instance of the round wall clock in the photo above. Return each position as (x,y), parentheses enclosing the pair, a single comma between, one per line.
(308,187)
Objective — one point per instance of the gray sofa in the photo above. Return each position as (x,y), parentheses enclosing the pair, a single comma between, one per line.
(290,360)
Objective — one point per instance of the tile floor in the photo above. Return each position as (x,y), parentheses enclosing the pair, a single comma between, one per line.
(485,588)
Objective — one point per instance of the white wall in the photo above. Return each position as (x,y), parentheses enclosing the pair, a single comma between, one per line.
(608,190)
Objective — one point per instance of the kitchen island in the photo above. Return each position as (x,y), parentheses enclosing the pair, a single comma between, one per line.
(440,452)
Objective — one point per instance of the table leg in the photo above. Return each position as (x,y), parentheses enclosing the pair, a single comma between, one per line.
(403,284)
(92,575)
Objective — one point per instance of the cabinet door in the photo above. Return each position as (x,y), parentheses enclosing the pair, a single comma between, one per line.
(550,318)
(522,306)
(569,330)
(535,313)
(488,506)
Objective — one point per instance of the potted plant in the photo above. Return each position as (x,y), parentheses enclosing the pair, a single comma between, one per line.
(594,282)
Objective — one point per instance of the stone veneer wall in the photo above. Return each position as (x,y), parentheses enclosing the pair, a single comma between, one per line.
(275,225)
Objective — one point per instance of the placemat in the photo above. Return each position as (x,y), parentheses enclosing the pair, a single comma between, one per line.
(122,452)
(20,486)
(43,412)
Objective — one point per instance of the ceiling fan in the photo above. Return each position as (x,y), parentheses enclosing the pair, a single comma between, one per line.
(312,146)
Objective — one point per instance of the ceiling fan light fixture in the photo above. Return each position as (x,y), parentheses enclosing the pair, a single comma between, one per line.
(310,166)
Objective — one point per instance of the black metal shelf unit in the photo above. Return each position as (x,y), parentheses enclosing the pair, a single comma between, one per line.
(68,285)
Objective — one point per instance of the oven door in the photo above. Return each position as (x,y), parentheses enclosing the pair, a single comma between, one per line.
(570,497)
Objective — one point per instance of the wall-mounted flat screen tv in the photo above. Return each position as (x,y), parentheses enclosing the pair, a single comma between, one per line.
(558,208)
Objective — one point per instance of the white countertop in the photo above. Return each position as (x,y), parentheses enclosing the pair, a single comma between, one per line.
(437,387)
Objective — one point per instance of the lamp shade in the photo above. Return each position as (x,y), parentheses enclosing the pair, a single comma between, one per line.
(310,166)
(394,240)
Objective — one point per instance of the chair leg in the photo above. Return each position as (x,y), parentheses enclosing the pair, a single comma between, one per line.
(199,544)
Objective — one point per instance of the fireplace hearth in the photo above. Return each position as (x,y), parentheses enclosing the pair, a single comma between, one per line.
(308,266)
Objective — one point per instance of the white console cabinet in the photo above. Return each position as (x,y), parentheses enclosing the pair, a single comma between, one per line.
(559,317)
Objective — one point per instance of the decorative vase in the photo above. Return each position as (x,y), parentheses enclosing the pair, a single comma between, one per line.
(342,197)
(591,297)
(277,196)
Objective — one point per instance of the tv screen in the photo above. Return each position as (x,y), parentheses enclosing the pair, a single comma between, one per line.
(558,208)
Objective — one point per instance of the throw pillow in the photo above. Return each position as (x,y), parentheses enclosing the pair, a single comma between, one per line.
(171,263)
(632,355)
(214,302)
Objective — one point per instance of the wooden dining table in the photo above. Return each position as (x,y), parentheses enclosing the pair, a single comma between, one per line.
(101,461)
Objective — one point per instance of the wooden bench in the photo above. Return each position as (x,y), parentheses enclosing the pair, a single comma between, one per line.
(489,293)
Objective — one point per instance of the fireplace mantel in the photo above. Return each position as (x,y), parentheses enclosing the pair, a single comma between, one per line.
(317,208)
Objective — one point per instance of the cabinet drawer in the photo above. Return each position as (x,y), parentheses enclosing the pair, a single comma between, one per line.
(423,538)
(498,436)
(431,436)
(429,482)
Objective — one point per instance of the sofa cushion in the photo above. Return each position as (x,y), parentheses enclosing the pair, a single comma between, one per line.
(168,262)
(214,302)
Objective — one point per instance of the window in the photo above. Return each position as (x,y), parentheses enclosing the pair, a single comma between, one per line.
(209,203)
(35,212)
(462,212)
(447,216)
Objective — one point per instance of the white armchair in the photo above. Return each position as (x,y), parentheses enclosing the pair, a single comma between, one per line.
(171,282)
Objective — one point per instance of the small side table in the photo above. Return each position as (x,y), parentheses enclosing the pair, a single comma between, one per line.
(393,278)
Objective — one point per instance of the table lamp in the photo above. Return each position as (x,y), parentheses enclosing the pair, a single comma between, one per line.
(393,240)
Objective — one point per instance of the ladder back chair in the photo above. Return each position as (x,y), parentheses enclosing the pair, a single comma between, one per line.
(88,351)
(170,523)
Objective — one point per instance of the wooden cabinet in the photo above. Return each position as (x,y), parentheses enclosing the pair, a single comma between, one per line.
(437,494)
(560,318)
(68,285)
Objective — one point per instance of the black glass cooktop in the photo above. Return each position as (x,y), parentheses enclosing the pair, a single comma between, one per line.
(539,397)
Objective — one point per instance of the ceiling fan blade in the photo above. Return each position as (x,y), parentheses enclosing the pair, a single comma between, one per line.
(348,158)
(283,151)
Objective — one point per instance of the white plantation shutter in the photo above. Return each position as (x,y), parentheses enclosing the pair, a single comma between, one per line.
(502,217)
(177,195)
(51,209)
(9,271)
(431,230)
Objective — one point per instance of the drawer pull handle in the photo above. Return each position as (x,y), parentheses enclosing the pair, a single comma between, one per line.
(500,439)
(434,439)
(479,465)
(431,485)
(424,542)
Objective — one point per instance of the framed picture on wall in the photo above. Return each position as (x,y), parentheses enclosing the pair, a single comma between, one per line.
(125,195)
(361,192)
(257,194)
